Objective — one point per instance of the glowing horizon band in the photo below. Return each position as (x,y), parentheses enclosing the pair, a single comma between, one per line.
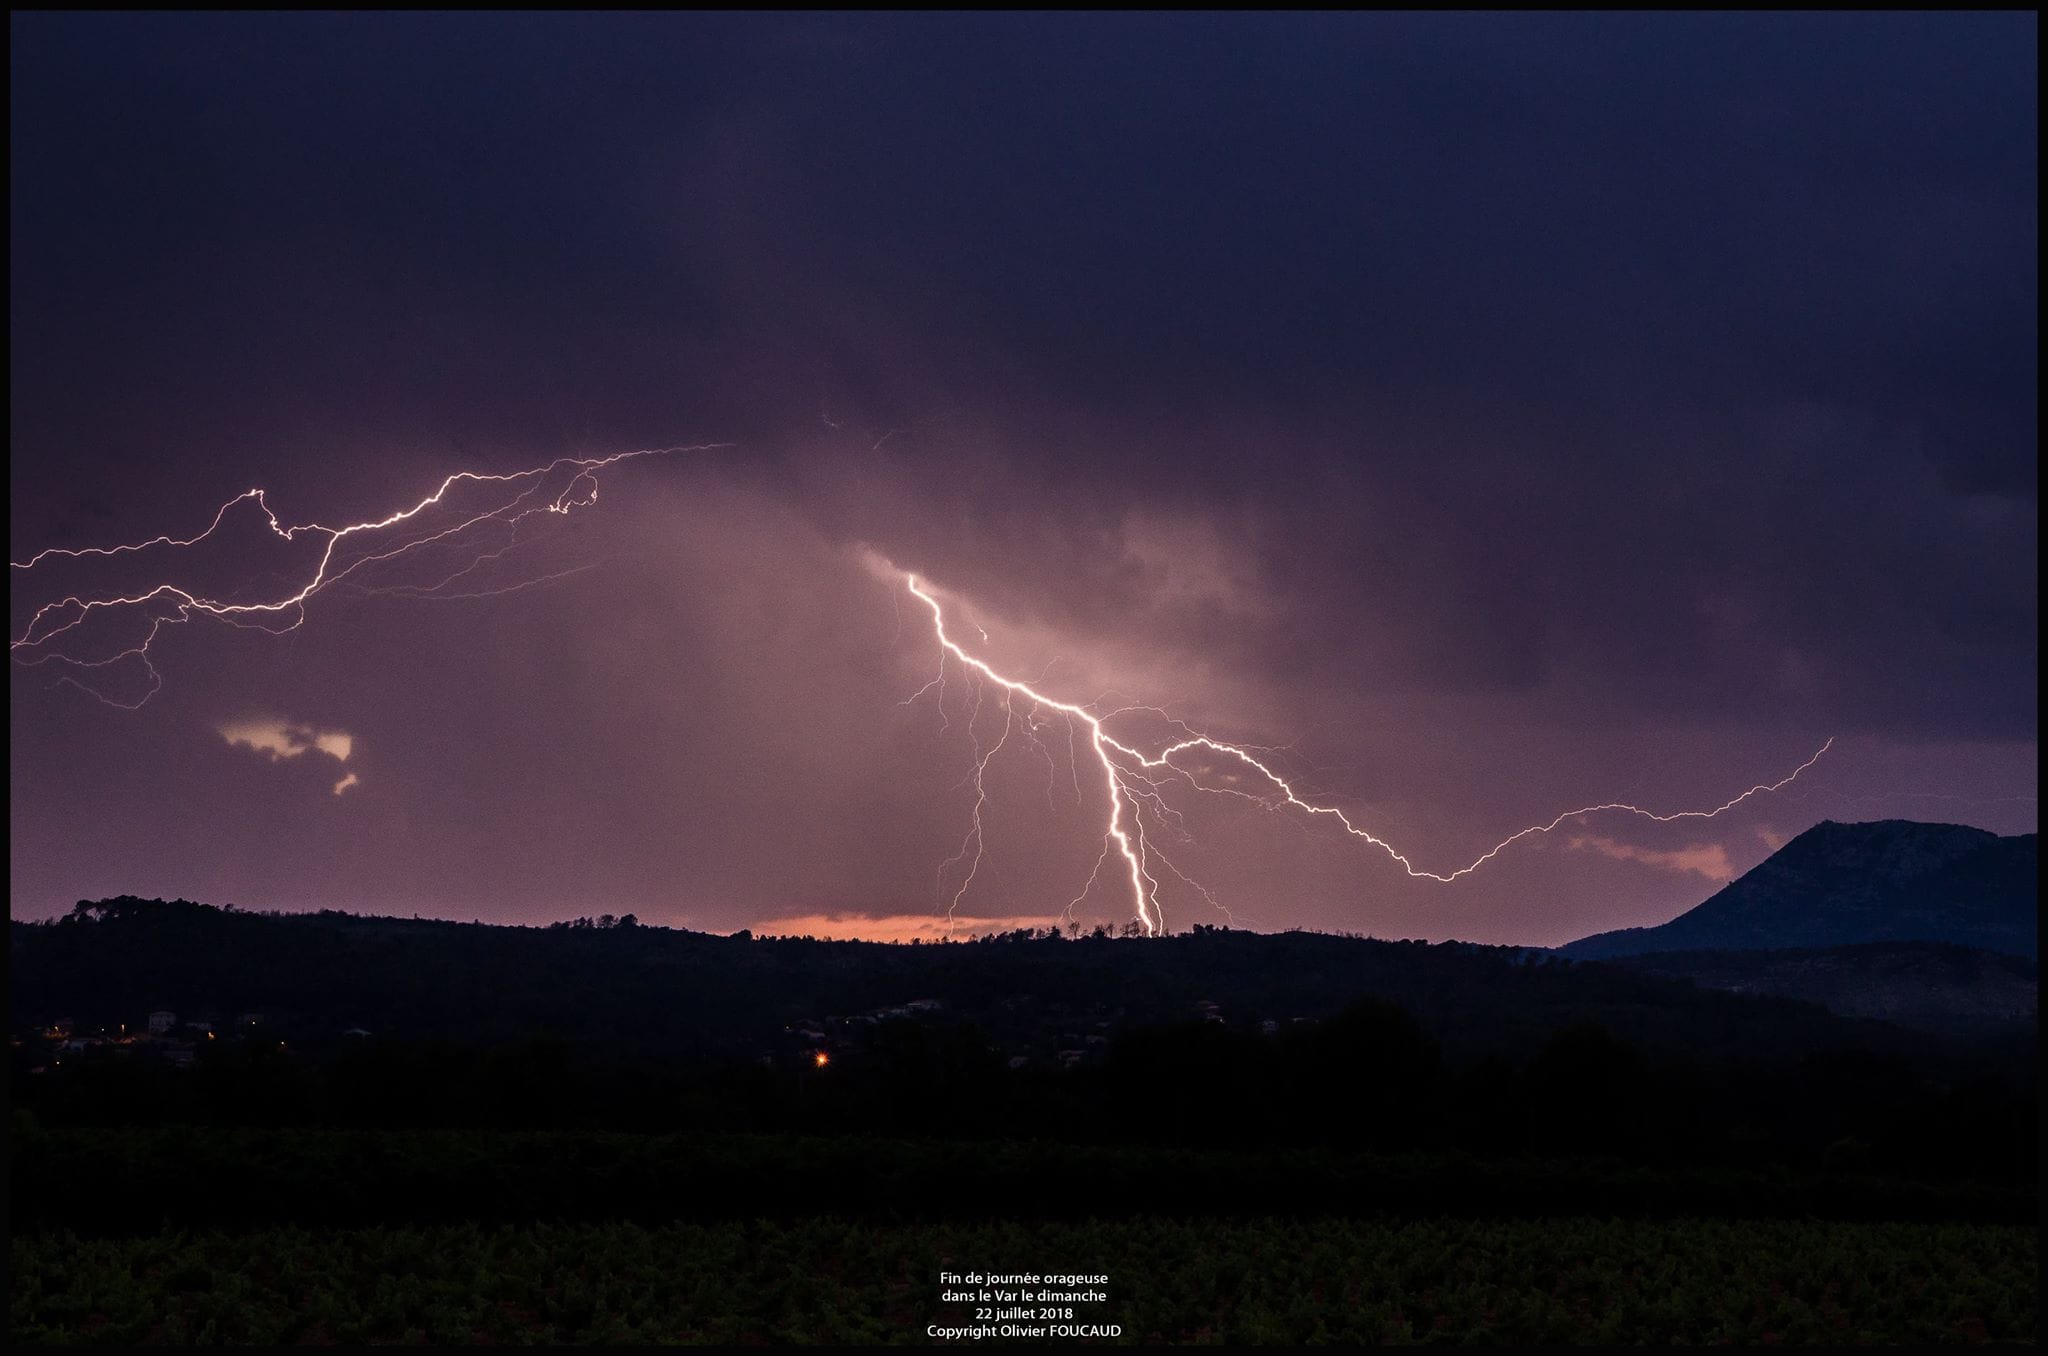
(1131,842)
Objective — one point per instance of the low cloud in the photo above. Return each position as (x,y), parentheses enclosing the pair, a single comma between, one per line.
(894,927)
(280,739)
(1701,859)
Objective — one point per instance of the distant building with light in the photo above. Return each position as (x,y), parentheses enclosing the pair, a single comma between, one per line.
(160,1022)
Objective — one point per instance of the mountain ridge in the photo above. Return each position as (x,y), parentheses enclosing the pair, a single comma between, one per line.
(1892,880)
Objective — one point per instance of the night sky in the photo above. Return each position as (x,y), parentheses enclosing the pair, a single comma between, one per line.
(1498,415)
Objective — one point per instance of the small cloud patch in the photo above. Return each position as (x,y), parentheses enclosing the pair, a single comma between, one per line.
(279,739)
(1701,859)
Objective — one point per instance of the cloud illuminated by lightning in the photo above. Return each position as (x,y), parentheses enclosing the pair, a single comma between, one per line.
(1135,781)
(57,632)
(480,525)
(279,739)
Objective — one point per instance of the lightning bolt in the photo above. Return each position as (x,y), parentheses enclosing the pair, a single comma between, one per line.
(1139,816)
(57,630)
(1135,781)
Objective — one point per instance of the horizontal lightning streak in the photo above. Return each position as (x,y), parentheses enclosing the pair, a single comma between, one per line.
(172,604)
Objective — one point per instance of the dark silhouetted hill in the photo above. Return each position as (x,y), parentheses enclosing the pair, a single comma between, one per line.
(1843,884)
(691,998)
(1214,1038)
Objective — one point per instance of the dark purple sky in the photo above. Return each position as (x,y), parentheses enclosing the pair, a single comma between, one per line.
(1502,414)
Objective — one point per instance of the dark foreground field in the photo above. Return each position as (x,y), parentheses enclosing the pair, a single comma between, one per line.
(710,1140)
(830,1280)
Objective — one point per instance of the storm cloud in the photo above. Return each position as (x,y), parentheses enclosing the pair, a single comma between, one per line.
(1500,413)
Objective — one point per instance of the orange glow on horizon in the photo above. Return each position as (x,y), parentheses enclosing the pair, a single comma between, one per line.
(893,927)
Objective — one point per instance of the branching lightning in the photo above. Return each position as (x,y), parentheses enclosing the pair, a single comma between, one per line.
(57,632)
(1135,782)
(450,541)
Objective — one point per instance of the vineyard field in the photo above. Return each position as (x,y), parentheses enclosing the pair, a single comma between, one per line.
(1189,1280)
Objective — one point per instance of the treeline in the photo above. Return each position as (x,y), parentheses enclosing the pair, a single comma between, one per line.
(637,992)
(1464,1050)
